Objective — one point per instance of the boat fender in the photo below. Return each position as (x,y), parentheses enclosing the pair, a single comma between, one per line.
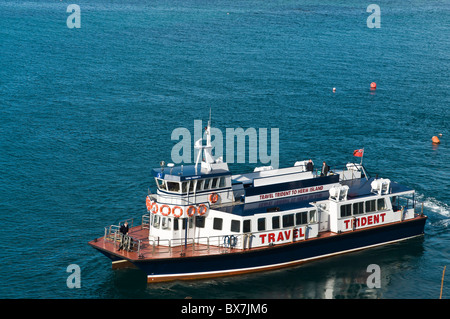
(226,241)
(180,211)
(191,211)
(202,209)
(166,212)
(229,241)
(233,241)
(213,198)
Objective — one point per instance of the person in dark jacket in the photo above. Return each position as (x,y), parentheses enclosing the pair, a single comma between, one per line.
(124,228)
(309,166)
(325,169)
(124,240)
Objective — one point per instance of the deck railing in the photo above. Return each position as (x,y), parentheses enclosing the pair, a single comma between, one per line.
(128,243)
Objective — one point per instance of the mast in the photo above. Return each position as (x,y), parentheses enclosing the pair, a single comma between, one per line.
(208,158)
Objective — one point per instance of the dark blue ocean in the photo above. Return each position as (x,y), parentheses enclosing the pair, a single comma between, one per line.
(86,113)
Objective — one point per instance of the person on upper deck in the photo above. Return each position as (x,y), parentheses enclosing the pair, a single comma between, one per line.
(309,166)
(124,228)
(325,169)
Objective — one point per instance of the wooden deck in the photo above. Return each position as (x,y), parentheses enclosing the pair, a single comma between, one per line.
(148,251)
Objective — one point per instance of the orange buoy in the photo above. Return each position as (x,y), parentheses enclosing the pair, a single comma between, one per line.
(435,140)
(373,85)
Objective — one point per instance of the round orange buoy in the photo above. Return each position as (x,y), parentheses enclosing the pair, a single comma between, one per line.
(373,85)
(191,210)
(202,209)
(180,211)
(435,140)
(165,212)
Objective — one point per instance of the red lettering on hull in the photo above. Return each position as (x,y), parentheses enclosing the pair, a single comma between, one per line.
(281,236)
(364,220)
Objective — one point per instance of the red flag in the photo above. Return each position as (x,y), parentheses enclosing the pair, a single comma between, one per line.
(358,153)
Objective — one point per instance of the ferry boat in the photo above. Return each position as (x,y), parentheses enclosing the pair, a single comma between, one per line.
(205,222)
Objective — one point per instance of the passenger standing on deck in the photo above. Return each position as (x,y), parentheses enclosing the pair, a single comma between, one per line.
(124,229)
(123,235)
(325,169)
(309,166)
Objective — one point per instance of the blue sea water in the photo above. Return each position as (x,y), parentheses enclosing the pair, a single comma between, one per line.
(85,114)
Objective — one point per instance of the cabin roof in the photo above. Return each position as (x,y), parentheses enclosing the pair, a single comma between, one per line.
(358,188)
(186,173)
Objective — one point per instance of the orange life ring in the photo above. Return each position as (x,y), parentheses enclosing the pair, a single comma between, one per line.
(202,209)
(213,197)
(191,210)
(154,208)
(162,211)
(180,211)
(148,203)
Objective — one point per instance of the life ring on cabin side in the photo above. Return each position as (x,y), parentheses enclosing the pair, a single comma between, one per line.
(229,241)
(177,208)
(191,210)
(161,210)
(154,208)
(202,209)
(213,198)
(148,203)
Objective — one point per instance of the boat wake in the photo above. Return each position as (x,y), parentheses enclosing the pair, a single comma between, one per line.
(437,210)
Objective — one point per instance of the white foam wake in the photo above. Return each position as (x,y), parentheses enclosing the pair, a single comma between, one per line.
(435,206)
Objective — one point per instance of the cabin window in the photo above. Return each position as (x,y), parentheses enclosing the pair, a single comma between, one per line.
(214,182)
(165,223)
(288,220)
(346,210)
(200,221)
(156,220)
(275,222)
(235,225)
(312,216)
(191,186)
(301,218)
(199,185)
(247,226)
(261,224)
(222,182)
(160,183)
(173,187)
(191,223)
(358,208)
(184,187)
(206,185)
(381,205)
(217,223)
(370,206)
(175,224)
